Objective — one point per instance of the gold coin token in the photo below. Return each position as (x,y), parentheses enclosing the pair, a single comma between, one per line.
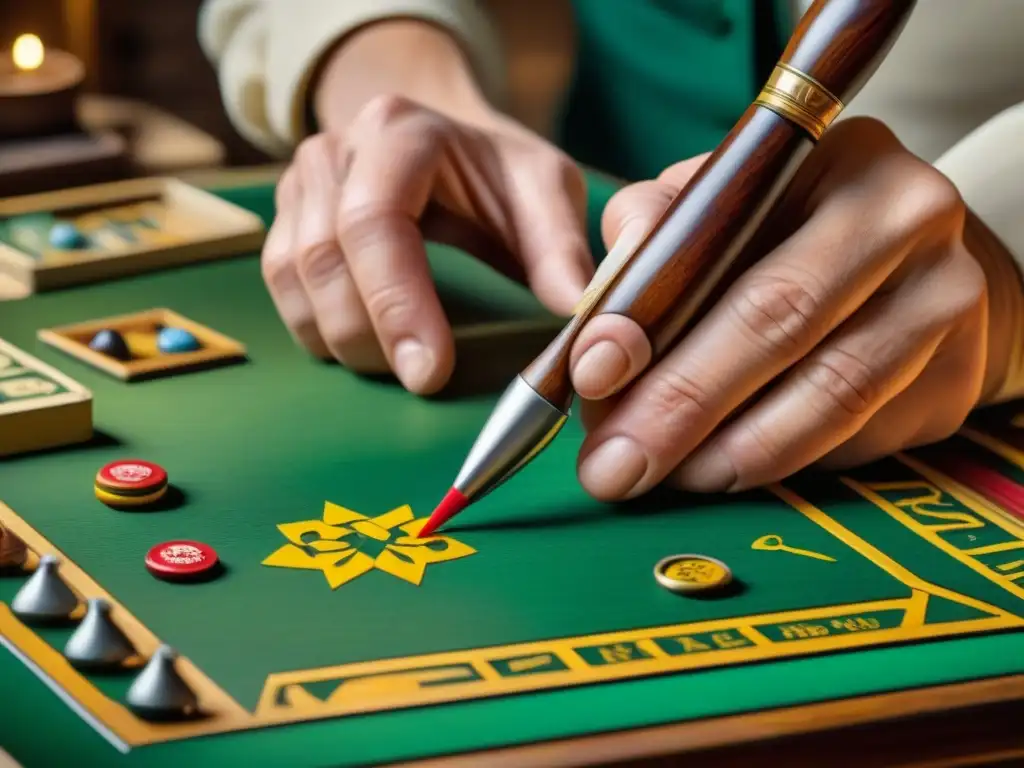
(691,573)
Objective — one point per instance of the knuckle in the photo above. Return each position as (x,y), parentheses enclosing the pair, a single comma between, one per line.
(922,197)
(863,128)
(287,185)
(385,109)
(675,398)
(340,335)
(321,262)
(636,202)
(363,224)
(392,305)
(313,150)
(568,175)
(560,168)
(277,269)
(778,312)
(938,199)
(968,285)
(845,381)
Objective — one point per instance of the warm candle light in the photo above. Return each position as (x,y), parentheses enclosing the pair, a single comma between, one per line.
(38,88)
(28,52)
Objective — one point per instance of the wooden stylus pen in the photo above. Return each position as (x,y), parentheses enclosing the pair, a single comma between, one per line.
(664,282)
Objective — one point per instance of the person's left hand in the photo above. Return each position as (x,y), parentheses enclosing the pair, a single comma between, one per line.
(863,332)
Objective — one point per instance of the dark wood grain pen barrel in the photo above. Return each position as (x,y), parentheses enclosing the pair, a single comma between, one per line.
(835,49)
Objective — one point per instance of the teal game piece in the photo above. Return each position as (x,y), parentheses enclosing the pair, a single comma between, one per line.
(66,236)
(172,340)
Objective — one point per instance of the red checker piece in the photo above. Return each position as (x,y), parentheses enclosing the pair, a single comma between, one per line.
(180,559)
(131,477)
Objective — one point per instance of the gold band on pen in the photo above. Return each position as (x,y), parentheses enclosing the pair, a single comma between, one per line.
(801,99)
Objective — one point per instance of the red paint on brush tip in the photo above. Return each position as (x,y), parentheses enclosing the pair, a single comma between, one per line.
(453,503)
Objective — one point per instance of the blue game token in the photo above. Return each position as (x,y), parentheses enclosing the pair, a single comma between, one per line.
(174,340)
(66,236)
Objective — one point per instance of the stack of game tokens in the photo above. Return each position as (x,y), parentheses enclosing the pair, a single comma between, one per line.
(130,483)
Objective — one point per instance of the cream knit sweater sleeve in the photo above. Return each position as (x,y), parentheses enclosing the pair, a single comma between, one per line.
(265,50)
(952,88)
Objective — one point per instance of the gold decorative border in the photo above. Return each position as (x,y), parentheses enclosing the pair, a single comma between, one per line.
(486,672)
(444,677)
(971,502)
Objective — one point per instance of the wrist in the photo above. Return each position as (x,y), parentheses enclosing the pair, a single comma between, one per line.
(1004,368)
(400,57)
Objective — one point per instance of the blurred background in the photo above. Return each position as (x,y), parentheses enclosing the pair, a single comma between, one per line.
(145,77)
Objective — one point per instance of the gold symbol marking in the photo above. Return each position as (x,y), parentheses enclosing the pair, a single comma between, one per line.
(618,653)
(691,573)
(29,386)
(345,545)
(773,543)
(534,662)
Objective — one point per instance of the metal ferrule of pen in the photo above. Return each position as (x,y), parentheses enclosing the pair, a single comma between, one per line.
(520,426)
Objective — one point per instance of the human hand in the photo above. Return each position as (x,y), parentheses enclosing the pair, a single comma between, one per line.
(345,260)
(864,330)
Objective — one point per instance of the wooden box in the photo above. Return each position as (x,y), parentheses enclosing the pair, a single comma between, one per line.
(129,227)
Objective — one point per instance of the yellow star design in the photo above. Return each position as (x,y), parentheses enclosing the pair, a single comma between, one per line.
(322,545)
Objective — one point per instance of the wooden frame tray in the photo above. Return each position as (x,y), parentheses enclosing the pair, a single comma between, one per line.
(139,330)
(135,226)
(40,407)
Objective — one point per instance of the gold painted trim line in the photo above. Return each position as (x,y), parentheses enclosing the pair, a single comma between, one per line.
(376,685)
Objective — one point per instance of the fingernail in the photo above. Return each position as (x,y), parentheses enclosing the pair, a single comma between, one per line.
(711,471)
(415,364)
(614,468)
(600,370)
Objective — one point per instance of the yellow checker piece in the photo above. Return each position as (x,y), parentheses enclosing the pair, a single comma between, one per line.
(117,500)
(691,573)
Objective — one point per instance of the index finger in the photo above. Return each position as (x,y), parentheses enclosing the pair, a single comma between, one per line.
(387,189)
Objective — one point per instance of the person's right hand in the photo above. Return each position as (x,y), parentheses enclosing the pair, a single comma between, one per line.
(345,260)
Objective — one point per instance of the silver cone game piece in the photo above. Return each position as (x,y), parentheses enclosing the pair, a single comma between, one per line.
(159,692)
(45,597)
(98,642)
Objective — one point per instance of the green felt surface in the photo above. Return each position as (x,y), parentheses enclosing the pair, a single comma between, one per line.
(269,441)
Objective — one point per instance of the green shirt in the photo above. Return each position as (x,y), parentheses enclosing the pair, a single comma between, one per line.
(658,81)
